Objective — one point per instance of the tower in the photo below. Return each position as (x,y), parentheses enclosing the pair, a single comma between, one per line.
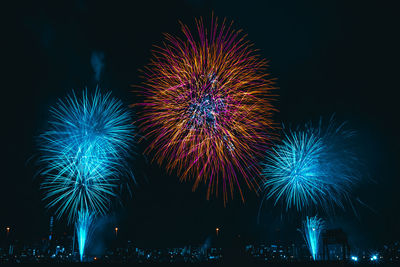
(51,228)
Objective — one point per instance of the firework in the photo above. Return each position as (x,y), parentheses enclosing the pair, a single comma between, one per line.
(83,228)
(312,228)
(83,153)
(313,166)
(207,108)
(84,157)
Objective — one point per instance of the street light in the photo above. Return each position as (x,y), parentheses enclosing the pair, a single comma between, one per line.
(116,232)
(217,230)
(8,230)
(354,258)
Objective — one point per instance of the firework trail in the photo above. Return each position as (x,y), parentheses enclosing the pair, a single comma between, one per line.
(83,228)
(84,154)
(312,229)
(207,108)
(313,166)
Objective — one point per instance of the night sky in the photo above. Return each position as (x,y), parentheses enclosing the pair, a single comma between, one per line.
(328,57)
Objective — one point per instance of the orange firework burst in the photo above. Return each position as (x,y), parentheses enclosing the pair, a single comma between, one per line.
(207,108)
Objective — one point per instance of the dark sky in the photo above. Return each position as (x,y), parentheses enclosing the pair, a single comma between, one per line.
(329,57)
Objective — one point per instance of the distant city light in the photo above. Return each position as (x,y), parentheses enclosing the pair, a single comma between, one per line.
(374,258)
(354,258)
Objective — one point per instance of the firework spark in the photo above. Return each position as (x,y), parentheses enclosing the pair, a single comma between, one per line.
(84,152)
(311,167)
(312,229)
(207,108)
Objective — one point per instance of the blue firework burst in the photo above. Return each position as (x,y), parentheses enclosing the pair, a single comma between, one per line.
(313,166)
(84,152)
